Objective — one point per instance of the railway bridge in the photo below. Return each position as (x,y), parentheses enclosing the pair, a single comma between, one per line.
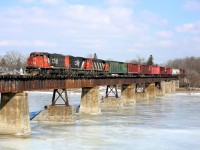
(14,108)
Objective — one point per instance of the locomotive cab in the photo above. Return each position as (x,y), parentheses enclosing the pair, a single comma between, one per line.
(38,60)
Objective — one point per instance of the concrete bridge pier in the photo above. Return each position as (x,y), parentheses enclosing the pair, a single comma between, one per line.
(160,88)
(57,113)
(173,86)
(140,92)
(14,114)
(111,99)
(151,90)
(141,96)
(128,93)
(90,101)
(177,84)
(168,89)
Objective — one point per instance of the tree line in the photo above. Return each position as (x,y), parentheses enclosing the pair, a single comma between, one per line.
(192,67)
(143,61)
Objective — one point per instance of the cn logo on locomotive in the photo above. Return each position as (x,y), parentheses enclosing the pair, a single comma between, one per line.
(77,63)
(55,61)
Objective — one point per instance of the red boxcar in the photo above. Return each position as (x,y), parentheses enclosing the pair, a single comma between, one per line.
(145,69)
(168,70)
(134,68)
(154,69)
(182,72)
(162,70)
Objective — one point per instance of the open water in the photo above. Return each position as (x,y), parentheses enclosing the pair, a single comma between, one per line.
(171,122)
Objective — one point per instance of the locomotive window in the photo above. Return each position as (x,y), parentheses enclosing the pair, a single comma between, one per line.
(37,55)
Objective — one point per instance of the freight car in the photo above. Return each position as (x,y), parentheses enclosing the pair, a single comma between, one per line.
(176,72)
(154,70)
(163,70)
(117,68)
(133,68)
(145,70)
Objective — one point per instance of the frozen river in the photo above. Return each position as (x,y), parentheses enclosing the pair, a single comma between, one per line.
(171,122)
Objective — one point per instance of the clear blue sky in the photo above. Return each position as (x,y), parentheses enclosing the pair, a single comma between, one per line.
(117,29)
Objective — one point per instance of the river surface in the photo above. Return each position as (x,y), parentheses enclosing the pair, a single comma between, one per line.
(171,122)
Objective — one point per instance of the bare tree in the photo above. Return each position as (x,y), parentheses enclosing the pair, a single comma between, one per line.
(89,55)
(138,60)
(13,60)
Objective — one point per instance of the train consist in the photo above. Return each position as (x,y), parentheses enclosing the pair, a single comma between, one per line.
(40,63)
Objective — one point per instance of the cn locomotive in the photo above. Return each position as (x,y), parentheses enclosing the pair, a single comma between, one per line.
(42,63)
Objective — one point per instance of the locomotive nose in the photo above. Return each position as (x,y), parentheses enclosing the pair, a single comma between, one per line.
(31,62)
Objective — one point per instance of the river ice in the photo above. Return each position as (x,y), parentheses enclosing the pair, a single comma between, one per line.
(171,122)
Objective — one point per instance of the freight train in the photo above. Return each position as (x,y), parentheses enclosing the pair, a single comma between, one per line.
(41,63)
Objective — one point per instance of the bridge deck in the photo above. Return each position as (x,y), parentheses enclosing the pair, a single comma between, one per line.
(33,83)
